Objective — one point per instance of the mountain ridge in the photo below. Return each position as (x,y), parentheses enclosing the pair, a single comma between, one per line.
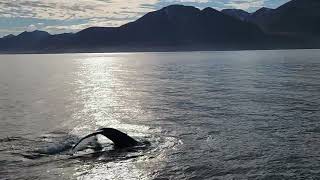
(294,17)
(175,27)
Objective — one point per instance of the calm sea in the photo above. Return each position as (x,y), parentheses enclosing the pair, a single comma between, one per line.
(207,115)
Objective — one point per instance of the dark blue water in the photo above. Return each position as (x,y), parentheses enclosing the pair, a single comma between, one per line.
(207,115)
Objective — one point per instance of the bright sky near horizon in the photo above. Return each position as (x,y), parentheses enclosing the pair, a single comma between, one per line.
(58,16)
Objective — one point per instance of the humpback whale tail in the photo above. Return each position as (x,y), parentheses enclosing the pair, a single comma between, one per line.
(120,139)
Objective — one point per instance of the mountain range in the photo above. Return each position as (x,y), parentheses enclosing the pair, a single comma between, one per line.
(294,17)
(177,27)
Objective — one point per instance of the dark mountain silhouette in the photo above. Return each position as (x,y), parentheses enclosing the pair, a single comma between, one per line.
(261,17)
(172,25)
(175,26)
(186,24)
(296,22)
(294,17)
(24,41)
(237,13)
(179,27)
(8,36)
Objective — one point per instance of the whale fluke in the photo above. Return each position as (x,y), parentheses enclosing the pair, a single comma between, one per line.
(120,139)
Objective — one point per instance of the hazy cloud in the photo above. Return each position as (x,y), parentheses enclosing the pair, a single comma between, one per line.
(245,4)
(61,9)
(31,28)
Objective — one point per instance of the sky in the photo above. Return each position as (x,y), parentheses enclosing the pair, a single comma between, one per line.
(60,16)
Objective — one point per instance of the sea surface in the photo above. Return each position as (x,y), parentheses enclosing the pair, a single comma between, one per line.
(206,115)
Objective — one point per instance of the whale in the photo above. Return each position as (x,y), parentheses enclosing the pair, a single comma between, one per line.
(119,139)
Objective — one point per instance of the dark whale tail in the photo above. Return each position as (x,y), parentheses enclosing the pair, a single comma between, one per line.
(120,139)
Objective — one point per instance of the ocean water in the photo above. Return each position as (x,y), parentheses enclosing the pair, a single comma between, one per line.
(206,115)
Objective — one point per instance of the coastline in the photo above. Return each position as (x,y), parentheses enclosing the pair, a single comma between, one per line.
(151,51)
